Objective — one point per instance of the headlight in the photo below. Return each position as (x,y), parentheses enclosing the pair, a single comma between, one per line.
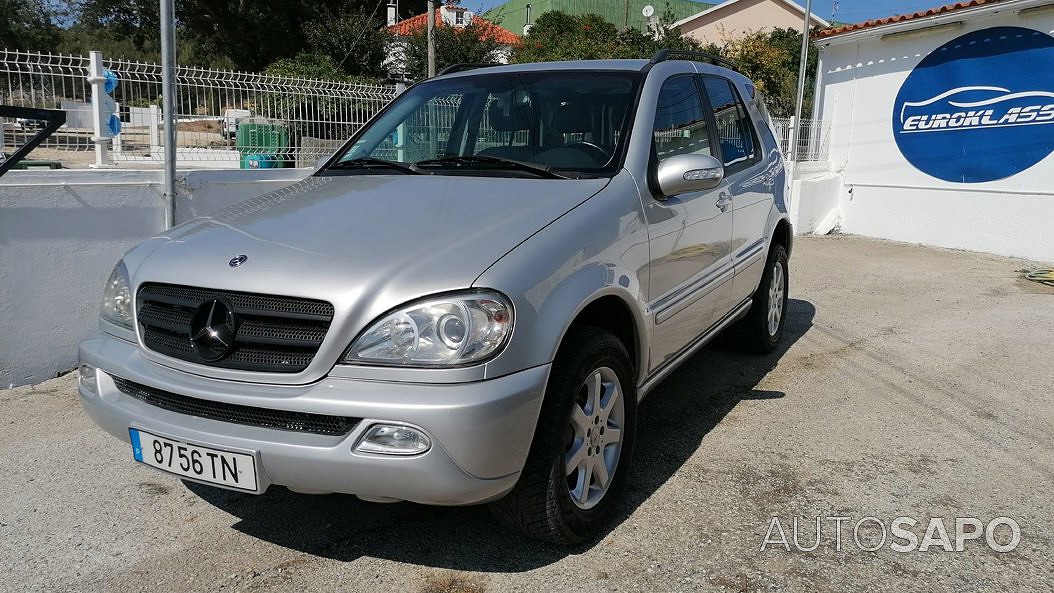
(117,298)
(448,330)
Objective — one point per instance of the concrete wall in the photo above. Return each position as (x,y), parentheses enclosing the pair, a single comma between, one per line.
(815,198)
(61,232)
(882,194)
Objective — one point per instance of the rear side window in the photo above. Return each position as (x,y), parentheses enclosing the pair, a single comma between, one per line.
(734,128)
(680,122)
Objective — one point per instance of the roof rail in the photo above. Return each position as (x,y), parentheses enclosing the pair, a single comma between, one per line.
(462,67)
(697,56)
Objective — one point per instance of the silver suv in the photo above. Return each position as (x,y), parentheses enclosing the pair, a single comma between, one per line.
(467,302)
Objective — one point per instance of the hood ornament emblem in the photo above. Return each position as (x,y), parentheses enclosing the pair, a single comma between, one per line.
(212,329)
(237,260)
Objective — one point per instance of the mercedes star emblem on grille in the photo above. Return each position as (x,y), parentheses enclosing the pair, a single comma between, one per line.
(212,330)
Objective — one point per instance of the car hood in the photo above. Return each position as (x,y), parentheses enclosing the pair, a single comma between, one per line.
(342,238)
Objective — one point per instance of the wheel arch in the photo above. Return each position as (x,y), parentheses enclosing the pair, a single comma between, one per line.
(782,234)
(613,314)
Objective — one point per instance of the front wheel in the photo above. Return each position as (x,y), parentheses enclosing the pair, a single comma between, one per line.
(762,328)
(576,469)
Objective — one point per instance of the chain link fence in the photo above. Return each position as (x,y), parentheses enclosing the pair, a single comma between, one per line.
(285,121)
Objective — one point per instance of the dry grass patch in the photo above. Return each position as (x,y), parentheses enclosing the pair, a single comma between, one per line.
(452,582)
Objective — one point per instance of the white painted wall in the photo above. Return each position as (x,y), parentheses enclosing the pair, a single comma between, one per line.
(62,231)
(882,194)
(814,204)
(60,234)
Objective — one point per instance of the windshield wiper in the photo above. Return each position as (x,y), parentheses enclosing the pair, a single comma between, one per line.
(475,159)
(372,163)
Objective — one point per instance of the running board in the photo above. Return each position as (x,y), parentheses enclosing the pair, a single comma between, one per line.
(664,371)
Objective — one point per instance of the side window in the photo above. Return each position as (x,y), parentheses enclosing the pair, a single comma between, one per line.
(734,127)
(680,122)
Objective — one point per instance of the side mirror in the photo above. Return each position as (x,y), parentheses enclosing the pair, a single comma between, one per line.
(685,173)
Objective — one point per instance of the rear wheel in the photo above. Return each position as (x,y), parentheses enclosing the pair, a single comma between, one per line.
(762,328)
(575,472)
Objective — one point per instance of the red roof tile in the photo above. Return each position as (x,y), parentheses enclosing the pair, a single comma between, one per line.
(903,17)
(488,29)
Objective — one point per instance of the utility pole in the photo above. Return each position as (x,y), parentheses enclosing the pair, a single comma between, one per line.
(168,105)
(431,38)
(796,128)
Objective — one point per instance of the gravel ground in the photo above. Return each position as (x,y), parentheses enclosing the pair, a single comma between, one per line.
(915,382)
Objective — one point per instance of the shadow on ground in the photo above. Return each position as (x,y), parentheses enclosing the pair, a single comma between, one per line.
(675,420)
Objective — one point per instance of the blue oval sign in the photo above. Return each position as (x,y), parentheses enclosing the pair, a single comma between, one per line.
(979,107)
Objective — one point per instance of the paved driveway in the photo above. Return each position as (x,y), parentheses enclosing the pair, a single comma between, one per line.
(915,383)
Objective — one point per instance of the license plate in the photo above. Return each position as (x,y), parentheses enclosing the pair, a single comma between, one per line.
(214,466)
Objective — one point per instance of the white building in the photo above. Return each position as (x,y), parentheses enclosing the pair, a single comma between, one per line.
(941,128)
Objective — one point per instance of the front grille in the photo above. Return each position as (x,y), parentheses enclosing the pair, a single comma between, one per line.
(250,416)
(275,334)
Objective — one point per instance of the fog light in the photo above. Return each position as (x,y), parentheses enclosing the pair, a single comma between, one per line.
(393,439)
(87,377)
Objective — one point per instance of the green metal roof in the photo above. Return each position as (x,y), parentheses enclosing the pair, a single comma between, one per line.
(512,15)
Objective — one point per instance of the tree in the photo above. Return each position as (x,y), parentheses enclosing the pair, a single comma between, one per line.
(790,41)
(770,59)
(768,66)
(315,115)
(355,41)
(235,34)
(307,65)
(27,25)
(558,36)
(137,22)
(473,43)
(251,34)
(255,33)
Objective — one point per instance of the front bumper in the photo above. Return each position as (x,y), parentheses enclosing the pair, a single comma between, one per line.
(480,432)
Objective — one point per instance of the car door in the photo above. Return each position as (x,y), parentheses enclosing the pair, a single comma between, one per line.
(690,234)
(748,182)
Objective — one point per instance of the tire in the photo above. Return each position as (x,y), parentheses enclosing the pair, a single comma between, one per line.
(544,505)
(756,332)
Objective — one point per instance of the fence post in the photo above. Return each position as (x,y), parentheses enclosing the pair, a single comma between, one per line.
(97,79)
(117,148)
(792,139)
(154,129)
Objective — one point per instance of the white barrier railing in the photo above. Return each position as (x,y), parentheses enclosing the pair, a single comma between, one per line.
(296,120)
(812,136)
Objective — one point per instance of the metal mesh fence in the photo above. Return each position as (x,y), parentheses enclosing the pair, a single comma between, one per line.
(47,81)
(285,121)
(813,138)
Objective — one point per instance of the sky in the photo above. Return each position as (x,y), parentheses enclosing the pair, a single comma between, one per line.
(846,11)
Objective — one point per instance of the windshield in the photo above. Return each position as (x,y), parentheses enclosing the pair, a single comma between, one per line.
(570,122)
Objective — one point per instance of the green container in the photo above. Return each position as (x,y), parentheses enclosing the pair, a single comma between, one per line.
(263,144)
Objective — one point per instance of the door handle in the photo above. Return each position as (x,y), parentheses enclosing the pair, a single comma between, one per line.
(724,201)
